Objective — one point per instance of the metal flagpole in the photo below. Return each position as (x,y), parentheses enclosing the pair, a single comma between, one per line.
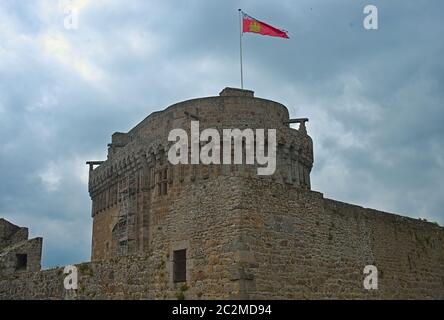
(240,45)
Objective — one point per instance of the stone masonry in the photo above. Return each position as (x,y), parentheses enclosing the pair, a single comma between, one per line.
(137,167)
(17,252)
(163,231)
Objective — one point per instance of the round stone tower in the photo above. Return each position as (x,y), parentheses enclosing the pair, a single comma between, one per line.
(137,181)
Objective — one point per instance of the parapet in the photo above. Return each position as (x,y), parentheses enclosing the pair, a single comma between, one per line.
(142,152)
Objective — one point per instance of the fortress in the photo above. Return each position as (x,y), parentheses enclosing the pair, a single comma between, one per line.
(136,189)
(195,231)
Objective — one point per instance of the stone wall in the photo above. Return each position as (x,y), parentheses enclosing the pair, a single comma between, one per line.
(300,245)
(203,219)
(10,233)
(17,253)
(123,278)
(256,239)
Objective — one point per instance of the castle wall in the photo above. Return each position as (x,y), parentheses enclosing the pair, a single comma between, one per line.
(301,245)
(255,239)
(203,218)
(124,278)
(102,241)
(245,236)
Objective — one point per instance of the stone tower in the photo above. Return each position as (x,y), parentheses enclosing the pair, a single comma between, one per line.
(136,187)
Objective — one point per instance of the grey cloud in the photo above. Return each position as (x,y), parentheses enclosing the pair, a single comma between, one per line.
(374,98)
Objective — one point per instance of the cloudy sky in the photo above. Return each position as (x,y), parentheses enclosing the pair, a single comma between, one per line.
(375,98)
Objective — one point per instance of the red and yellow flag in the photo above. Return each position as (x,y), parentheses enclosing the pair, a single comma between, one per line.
(250,24)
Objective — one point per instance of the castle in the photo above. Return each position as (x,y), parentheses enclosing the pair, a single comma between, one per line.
(136,188)
(163,231)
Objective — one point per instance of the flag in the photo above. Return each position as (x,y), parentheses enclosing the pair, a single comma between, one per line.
(250,24)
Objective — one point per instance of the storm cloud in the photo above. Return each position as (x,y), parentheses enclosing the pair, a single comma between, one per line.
(375,98)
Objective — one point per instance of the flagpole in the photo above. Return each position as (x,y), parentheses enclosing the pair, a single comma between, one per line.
(240,47)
